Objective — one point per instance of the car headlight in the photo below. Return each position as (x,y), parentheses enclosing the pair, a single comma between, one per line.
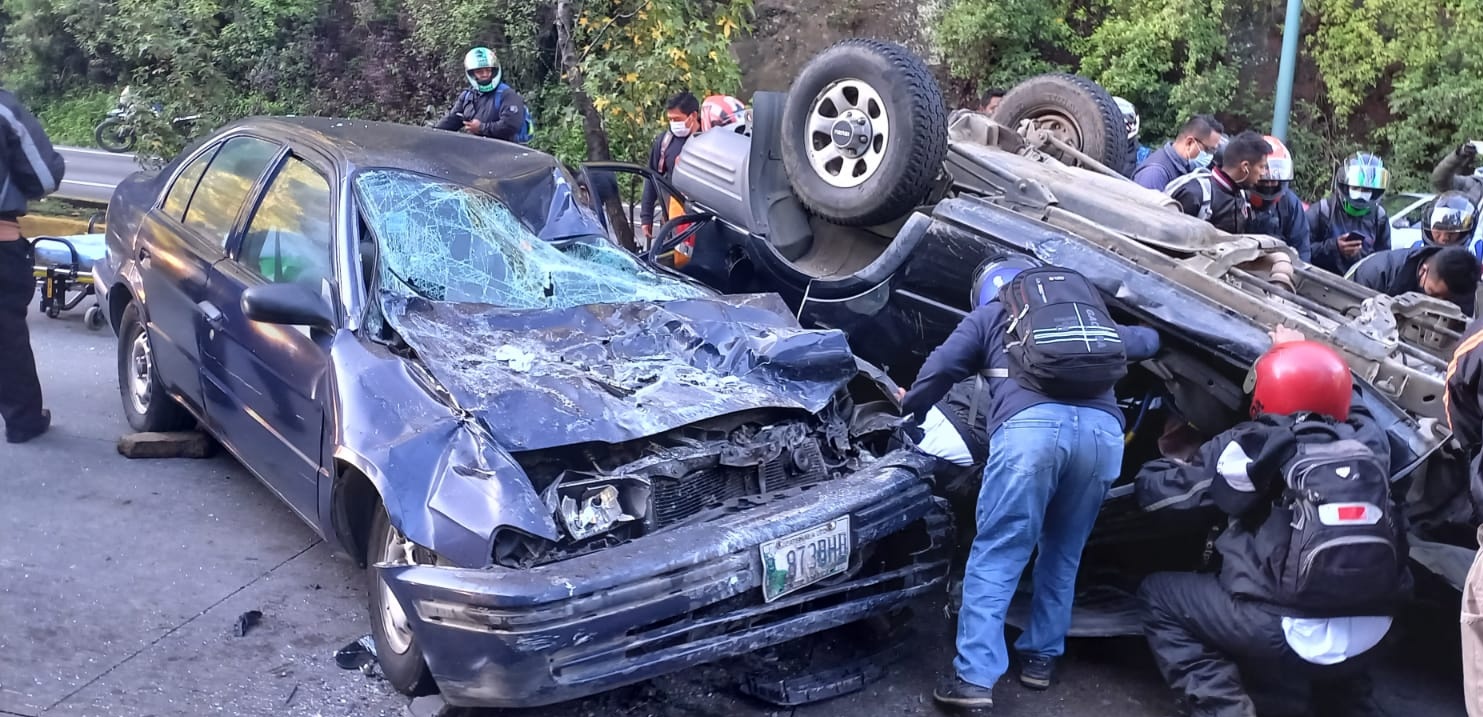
(591,506)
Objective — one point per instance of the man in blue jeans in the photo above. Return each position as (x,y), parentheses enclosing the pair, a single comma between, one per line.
(1049,466)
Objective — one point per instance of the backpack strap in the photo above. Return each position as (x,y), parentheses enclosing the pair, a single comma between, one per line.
(664,143)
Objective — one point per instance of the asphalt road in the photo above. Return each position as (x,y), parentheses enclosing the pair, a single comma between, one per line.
(93,173)
(121,581)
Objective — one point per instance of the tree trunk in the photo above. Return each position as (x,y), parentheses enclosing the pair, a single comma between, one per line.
(598,148)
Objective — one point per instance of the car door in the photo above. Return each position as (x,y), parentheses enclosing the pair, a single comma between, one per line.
(178,243)
(263,382)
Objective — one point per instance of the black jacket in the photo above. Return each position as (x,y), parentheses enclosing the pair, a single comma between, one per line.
(1161,167)
(662,159)
(1286,220)
(966,407)
(1327,222)
(1393,273)
(1463,399)
(1454,173)
(1229,210)
(978,344)
(32,168)
(1167,484)
(500,120)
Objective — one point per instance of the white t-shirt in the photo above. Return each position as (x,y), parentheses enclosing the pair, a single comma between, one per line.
(942,439)
(1329,641)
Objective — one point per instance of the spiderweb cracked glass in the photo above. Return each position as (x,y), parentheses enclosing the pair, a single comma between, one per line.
(453,243)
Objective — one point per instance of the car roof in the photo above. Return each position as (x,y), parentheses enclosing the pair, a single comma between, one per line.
(354,144)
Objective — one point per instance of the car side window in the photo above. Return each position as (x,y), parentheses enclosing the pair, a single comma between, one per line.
(180,192)
(225,186)
(289,235)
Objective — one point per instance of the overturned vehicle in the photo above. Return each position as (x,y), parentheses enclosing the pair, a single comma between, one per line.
(868,208)
(563,471)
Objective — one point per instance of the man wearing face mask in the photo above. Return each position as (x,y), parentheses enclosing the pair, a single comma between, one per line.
(1275,209)
(1350,224)
(683,113)
(1192,149)
(1449,273)
(1219,195)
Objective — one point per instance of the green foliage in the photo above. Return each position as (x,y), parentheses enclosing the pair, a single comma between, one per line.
(1168,57)
(637,53)
(999,42)
(396,60)
(71,118)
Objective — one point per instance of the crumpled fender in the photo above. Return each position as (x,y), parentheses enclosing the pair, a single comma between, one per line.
(446,484)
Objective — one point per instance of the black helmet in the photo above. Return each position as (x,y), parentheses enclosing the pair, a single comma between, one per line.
(1453,216)
(995,273)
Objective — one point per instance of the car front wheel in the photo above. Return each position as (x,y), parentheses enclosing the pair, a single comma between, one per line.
(146,404)
(396,646)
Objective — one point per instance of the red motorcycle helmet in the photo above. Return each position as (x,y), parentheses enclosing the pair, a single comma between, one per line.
(1299,376)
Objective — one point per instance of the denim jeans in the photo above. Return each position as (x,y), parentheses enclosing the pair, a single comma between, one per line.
(1049,468)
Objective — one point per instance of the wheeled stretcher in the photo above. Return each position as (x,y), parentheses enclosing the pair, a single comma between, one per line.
(64,265)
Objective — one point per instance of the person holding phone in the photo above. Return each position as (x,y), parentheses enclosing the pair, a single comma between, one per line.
(1349,224)
(490,107)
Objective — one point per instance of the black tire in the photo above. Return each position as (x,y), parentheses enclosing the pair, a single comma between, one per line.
(406,670)
(155,410)
(93,318)
(910,152)
(113,136)
(1093,122)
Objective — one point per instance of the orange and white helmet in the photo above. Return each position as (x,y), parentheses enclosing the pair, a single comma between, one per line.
(721,110)
(1279,174)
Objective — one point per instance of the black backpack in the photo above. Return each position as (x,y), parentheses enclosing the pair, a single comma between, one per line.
(1343,548)
(1062,342)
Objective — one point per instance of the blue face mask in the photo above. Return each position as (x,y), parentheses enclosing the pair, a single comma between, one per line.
(1202,160)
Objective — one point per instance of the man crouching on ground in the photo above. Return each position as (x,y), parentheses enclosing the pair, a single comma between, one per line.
(1051,355)
(1313,555)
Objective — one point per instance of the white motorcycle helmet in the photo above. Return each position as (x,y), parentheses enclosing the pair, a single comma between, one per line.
(481,58)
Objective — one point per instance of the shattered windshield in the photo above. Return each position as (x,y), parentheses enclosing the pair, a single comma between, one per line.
(448,242)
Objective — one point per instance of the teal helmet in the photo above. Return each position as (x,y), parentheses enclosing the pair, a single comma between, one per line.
(481,58)
(1360,182)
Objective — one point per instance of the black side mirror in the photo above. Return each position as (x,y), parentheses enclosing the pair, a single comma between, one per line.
(289,304)
(1400,223)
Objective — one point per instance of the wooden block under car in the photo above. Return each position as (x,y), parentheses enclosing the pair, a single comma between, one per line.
(185,444)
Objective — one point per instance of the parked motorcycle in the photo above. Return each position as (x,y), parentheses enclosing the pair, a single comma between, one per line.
(116,132)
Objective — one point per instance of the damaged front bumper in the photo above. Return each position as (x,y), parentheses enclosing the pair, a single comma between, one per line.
(504,637)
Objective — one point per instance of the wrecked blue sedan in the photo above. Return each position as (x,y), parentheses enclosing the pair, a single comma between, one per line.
(563,471)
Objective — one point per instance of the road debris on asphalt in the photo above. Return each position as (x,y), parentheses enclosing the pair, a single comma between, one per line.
(246,621)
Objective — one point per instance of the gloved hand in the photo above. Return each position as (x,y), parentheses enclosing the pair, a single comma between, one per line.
(1468,151)
(1270,451)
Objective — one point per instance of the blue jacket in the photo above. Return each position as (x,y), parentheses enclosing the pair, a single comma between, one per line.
(31,167)
(978,344)
(1327,222)
(1286,221)
(1163,166)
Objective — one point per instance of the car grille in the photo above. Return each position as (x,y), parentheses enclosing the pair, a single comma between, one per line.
(676,500)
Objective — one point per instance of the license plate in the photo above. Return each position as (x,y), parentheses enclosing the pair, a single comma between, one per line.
(796,561)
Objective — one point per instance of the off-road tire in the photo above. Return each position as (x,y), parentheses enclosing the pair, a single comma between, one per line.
(407,671)
(914,149)
(111,136)
(1102,131)
(161,413)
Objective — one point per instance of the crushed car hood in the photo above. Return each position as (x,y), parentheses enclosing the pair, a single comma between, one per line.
(617,372)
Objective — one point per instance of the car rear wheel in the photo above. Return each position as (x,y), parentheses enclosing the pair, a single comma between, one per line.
(396,646)
(1074,109)
(146,404)
(864,133)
